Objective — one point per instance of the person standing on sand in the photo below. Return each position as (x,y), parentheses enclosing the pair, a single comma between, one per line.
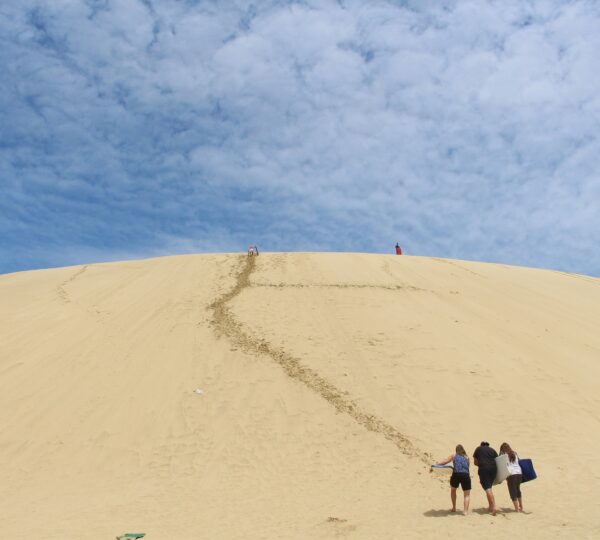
(515,477)
(398,249)
(485,459)
(460,476)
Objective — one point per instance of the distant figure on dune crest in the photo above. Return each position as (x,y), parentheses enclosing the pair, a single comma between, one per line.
(460,476)
(485,459)
(515,476)
(252,250)
(398,249)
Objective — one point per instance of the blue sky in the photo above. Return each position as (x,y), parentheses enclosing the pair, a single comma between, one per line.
(138,128)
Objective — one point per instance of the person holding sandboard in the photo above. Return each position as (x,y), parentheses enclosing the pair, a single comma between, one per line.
(515,476)
(460,476)
(485,459)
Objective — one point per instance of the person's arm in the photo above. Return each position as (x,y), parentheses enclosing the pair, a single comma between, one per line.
(447,460)
(475,461)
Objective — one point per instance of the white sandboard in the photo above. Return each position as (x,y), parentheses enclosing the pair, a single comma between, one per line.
(502,469)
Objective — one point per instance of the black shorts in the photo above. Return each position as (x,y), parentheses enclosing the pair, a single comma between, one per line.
(487,475)
(461,479)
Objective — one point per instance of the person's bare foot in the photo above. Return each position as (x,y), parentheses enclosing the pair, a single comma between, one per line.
(493,511)
(453,510)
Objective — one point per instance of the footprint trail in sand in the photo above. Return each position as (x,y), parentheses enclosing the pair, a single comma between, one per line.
(226,324)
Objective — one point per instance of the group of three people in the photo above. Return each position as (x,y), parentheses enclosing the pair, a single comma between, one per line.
(484,458)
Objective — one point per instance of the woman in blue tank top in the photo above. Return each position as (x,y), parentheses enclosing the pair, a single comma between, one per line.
(460,476)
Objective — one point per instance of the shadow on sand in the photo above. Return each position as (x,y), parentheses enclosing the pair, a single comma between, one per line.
(486,512)
(481,511)
(442,513)
(502,511)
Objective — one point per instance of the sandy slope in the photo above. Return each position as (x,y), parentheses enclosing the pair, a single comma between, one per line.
(329,381)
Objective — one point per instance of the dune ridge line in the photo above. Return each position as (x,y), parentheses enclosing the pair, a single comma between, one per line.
(225,324)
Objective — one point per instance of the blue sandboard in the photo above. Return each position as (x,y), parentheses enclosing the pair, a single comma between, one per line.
(527,470)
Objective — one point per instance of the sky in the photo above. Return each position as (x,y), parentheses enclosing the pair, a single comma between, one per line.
(142,128)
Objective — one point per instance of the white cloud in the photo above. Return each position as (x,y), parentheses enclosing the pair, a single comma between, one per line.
(464,129)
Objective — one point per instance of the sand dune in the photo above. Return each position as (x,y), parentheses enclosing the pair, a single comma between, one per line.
(327,383)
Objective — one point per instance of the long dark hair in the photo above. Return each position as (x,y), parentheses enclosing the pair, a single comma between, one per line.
(506,449)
